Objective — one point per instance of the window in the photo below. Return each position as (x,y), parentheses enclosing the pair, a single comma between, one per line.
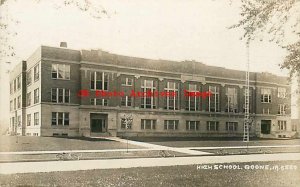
(171,124)
(126,123)
(19,82)
(214,99)
(36,118)
(266,111)
(60,71)
(28,119)
(232,103)
(15,85)
(13,121)
(148,124)
(36,96)
(19,121)
(212,125)
(171,100)
(126,81)
(126,101)
(11,87)
(60,95)
(19,101)
(192,102)
(192,125)
(282,93)
(11,105)
(281,125)
(148,86)
(282,109)
(265,95)
(60,118)
(36,74)
(15,103)
(99,81)
(231,126)
(28,99)
(294,127)
(102,102)
(28,77)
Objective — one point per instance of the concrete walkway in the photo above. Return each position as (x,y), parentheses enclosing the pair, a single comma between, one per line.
(34,167)
(158,147)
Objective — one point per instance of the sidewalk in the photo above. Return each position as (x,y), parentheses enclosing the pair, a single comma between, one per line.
(34,167)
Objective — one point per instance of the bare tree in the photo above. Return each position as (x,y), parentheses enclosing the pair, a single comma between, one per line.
(277,20)
(93,7)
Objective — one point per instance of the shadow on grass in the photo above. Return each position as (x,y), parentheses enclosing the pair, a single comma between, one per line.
(166,139)
(84,138)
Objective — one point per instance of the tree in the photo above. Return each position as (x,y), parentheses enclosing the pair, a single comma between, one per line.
(93,7)
(279,20)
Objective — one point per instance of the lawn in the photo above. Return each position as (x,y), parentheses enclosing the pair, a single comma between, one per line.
(30,143)
(212,142)
(162,176)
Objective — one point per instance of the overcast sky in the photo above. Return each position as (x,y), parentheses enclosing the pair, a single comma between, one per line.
(163,29)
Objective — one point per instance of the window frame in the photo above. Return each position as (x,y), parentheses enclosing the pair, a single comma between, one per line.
(65,69)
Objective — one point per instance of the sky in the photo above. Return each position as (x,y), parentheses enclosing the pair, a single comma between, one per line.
(156,29)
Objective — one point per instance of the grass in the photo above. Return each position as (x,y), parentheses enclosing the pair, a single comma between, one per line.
(162,176)
(209,142)
(30,143)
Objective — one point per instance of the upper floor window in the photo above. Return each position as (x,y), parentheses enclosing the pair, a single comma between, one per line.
(126,101)
(148,101)
(171,124)
(265,95)
(192,102)
(282,92)
(19,101)
(148,124)
(231,126)
(172,98)
(60,71)
(11,85)
(60,95)
(28,99)
(36,97)
(15,103)
(281,125)
(126,81)
(36,74)
(282,109)
(266,111)
(36,118)
(11,105)
(232,102)
(214,99)
(99,81)
(15,85)
(102,102)
(19,82)
(28,77)
(212,125)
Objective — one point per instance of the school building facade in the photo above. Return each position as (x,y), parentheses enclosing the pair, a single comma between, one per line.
(55,92)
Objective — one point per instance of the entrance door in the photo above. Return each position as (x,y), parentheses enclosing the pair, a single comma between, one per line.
(98,125)
(265,126)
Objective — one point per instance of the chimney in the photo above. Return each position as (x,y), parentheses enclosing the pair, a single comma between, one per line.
(63,44)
